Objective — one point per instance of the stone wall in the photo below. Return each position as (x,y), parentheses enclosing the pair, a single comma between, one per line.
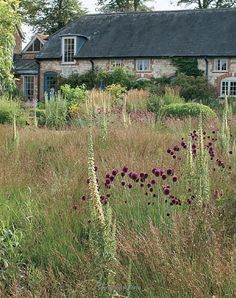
(158,67)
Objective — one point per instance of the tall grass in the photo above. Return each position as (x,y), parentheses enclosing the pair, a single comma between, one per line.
(190,253)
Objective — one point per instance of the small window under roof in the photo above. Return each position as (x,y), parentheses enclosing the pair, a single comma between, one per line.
(36,46)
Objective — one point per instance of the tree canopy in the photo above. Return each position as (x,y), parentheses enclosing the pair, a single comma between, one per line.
(203,4)
(9,20)
(50,16)
(122,5)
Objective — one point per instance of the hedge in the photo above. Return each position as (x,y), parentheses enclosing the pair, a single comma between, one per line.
(182,110)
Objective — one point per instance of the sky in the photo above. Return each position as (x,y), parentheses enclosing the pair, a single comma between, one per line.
(90,5)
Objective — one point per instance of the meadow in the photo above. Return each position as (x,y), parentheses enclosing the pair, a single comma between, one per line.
(123,208)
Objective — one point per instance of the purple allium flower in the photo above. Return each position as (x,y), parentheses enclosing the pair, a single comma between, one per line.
(153,181)
(130,174)
(145,175)
(122,174)
(176,148)
(157,173)
(108,181)
(154,170)
(130,185)
(168,151)
(174,178)
(163,176)
(123,183)
(166,191)
(112,178)
(169,171)
(114,172)
(172,153)
(134,176)
(107,175)
(125,169)
(194,146)
(141,185)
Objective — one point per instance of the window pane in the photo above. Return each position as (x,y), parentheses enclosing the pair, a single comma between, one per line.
(69,49)
(28,89)
(233,88)
(146,64)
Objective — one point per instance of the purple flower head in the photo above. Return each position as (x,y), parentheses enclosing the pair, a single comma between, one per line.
(125,169)
(122,174)
(153,181)
(123,183)
(166,191)
(114,172)
(154,170)
(176,148)
(107,175)
(108,182)
(112,178)
(130,174)
(130,185)
(142,175)
(174,178)
(134,176)
(163,176)
(168,151)
(169,171)
(157,173)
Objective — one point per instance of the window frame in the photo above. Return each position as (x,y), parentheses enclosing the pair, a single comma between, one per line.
(24,82)
(142,62)
(114,63)
(228,80)
(31,44)
(216,64)
(63,49)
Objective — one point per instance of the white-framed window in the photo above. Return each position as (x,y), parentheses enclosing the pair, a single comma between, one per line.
(28,87)
(228,87)
(116,63)
(142,64)
(221,64)
(68,50)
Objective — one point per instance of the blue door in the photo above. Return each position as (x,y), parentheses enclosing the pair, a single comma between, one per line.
(50,80)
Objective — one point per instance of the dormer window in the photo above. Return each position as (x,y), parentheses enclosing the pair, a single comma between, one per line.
(68,50)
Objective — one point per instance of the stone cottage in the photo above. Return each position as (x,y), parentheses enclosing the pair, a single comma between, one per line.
(144,42)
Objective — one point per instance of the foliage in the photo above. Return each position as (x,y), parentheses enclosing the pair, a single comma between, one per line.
(119,75)
(10,108)
(224,134)
(9,20)
(50,16)
(123,5)
(117,93)
(203,4)
(56,111)
(10,240)
(88,79)
(195,88)
(75,95)
(155,103)
(182,110)
(187,66)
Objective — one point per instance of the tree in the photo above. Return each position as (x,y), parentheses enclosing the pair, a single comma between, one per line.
(122,5)
(203,4)
(50,16)
(9,20)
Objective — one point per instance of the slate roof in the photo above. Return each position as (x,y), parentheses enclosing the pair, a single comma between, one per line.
(26,66)
(200,33)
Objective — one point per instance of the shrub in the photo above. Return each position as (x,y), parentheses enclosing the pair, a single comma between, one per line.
(75,95)
(182,110)
(88,79)
(155,103)
(195,88)
(117,93)
(9,108)
(120,75)
(55,112)
(187,66)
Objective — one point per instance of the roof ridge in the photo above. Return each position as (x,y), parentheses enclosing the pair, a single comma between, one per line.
(158,11)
